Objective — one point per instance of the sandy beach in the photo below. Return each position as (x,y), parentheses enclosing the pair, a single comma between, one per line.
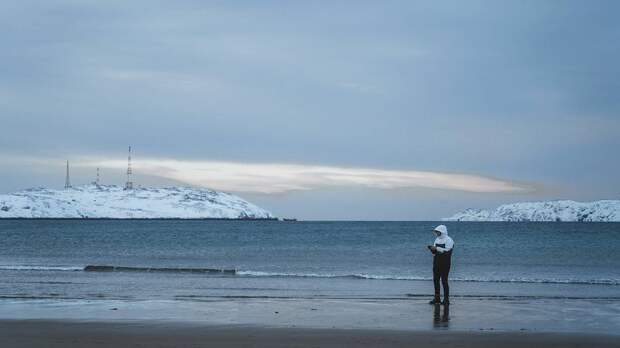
(308,323)
(33,333)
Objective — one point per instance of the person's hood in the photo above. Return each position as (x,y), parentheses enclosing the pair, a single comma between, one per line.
(442,229)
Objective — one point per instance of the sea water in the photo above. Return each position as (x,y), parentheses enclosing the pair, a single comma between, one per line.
(198,259)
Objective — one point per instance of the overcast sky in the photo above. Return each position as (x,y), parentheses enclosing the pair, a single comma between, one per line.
(318,109)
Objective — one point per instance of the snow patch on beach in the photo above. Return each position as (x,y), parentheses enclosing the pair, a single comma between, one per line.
(566,210)
(110,201)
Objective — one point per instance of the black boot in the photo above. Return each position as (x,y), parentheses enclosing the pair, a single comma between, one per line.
(445,302)
(435,301)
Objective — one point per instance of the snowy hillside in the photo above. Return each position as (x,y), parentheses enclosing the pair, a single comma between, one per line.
(606,211)
(99,201)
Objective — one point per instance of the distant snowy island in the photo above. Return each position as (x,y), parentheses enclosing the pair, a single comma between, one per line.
(598,211)
(113,202)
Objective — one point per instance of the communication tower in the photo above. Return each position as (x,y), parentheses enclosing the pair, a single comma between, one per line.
(129,183)
(96,182)
(67,181)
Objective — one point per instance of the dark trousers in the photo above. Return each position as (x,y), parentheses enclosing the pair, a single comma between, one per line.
(440,272)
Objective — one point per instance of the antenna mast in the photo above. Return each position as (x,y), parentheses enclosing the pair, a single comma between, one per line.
(67,181)
(96,182)
(129,183)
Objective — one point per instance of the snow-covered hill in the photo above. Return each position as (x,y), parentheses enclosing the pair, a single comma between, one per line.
(608,210)
(99,201)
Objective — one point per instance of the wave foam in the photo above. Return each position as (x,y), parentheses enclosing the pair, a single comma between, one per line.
(40,268)
(418,278)
(250,273)
(92,268)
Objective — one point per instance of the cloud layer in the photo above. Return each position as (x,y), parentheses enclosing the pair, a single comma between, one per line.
(278,178)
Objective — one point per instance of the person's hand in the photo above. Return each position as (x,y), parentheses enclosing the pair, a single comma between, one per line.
(433,248)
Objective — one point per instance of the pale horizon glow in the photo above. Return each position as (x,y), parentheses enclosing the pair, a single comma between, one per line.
(270,178)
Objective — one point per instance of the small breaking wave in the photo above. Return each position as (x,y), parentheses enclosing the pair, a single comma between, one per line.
(322,275)
(40,268)
(94,268)
(259,274)
(418,278)
(105,268)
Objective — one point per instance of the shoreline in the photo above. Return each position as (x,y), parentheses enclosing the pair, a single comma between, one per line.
(132,219)
(69,334)
(469,315)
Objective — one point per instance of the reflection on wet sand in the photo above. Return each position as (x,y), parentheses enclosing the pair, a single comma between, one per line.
(441,319)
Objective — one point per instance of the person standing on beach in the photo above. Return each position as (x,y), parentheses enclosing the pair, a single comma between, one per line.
(442,249)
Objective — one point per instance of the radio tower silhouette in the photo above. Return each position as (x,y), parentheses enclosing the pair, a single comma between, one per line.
(129,183)
(67,181)
(96,182)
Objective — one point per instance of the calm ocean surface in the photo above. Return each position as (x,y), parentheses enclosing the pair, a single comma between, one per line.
(46,259)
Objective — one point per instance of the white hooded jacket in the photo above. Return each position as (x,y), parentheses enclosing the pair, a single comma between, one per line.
(443,243)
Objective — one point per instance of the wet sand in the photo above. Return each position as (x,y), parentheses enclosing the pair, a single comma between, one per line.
(309,323)
(536,316)
(68,334)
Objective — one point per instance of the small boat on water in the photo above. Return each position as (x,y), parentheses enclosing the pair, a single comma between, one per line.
(289,219)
